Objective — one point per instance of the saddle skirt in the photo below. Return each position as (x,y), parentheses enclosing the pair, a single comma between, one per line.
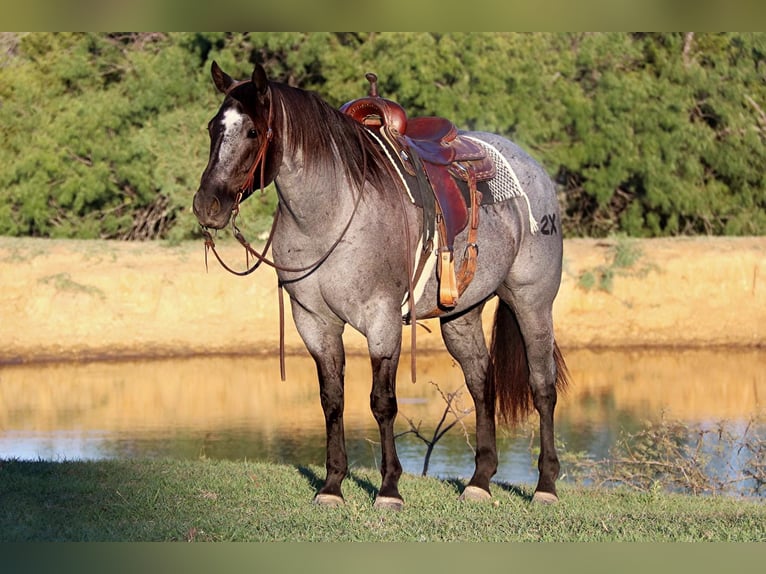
(443,164)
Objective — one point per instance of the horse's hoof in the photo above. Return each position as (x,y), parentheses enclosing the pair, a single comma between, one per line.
(541,497)
(389,502)
(331,500)
(475,494)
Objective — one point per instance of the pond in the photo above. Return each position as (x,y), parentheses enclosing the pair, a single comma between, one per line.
(235,407)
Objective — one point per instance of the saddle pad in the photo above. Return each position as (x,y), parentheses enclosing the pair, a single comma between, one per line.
(505,185)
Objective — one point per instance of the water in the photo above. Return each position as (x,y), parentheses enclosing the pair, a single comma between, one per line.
(237,408)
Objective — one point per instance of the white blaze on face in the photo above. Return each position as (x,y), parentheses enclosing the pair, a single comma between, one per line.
(232,126)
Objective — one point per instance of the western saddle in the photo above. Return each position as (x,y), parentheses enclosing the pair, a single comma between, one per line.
(431,150)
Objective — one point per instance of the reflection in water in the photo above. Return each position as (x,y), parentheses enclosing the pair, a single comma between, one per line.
(237,408)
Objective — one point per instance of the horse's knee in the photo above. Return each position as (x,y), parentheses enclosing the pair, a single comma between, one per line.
(331,398)
(384,407)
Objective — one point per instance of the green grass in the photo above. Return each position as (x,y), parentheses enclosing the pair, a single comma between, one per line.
(208,500)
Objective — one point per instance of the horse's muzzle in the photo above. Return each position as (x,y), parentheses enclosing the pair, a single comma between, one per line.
(209,211)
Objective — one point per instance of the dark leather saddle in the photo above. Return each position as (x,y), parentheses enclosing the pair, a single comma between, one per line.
(431,150)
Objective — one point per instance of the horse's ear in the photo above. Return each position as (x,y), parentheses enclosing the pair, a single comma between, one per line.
(221,79)
(260,81)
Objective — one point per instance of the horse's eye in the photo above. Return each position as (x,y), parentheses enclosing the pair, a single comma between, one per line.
(251,133)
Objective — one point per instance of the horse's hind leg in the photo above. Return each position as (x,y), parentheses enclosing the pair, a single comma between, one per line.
(464,338)
(536,325)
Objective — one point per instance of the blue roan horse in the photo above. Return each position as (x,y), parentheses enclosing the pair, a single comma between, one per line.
(343,246)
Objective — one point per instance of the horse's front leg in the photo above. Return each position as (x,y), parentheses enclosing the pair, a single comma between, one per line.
(324,341)
(331,369)
(385,346)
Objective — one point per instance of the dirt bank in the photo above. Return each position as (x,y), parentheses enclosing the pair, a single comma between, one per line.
(96,299)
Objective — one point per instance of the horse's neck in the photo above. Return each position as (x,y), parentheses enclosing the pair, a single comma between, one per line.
(318,199)
(316,203)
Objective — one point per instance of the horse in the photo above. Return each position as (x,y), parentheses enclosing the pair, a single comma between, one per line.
(342,244)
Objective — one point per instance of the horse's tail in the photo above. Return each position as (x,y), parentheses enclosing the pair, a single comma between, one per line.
(508,374)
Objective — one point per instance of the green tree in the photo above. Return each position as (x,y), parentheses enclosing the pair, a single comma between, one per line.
(95,130)
(103,135)
(662,135)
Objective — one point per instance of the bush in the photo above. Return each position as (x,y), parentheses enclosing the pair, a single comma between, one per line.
(646,134)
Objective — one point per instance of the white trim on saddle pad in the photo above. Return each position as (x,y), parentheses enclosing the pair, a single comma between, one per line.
(505,185)
(393,163)
(428,269)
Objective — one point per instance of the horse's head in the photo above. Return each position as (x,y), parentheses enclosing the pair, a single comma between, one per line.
(240,157)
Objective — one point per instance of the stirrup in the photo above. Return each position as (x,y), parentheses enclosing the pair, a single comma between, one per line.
(448,291)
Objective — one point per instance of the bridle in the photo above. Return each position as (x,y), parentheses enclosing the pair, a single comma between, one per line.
(247,186)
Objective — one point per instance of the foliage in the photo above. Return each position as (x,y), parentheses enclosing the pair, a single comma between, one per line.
(96,130)
(646,134)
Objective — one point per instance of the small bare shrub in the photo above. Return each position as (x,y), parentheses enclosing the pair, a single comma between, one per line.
(453,415)
(714,459)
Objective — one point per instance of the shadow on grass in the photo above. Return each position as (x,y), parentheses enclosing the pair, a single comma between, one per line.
(365,484)
(457,484)
(460,485)
(311,477)
(514,490)
(316,482)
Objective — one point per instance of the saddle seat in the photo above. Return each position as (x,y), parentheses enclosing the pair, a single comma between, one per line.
(432,137)
(430,147)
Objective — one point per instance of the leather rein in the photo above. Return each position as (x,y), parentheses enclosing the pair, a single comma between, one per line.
(247,187)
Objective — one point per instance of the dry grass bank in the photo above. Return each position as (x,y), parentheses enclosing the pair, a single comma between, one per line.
(95,299)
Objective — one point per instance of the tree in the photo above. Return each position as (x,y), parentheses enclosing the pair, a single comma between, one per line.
(103,135)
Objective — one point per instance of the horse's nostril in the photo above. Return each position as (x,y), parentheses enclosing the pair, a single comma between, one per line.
(214,207)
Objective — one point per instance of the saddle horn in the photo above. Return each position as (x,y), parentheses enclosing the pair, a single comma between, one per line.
(373,79)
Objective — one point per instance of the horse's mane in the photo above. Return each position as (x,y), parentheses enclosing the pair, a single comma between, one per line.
(327,138)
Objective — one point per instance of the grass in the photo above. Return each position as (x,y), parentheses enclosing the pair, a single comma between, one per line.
(207,500)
